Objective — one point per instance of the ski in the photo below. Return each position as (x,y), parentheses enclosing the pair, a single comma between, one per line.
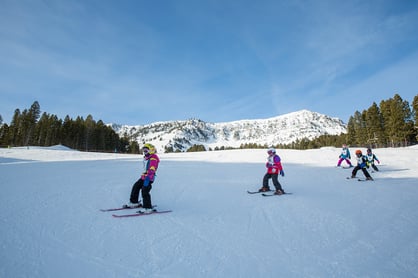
(122,208)
(256,192)
(115,209)
(271,195)
(349,178)
(139,214)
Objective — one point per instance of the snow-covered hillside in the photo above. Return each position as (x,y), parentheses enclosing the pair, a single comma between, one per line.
(51,225)
(284,129)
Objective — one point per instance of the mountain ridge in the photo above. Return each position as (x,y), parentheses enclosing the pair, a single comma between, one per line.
(281,129)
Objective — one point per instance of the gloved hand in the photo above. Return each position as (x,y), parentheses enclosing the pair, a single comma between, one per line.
(378,161)
(282,173)
(146,182)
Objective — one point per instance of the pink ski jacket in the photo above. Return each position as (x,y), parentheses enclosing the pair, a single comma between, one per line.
(274,166)
(151,166)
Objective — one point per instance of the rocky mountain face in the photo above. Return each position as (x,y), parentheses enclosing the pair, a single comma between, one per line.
(284,129)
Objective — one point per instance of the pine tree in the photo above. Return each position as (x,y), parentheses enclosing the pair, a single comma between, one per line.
(196,148)
(66,134)
(42,130)
(79,130)
(415,113)
(29,120)
(3,132)
(89,124)
(397,119)
(4,135)
(351,132)
(15,134)
(415,110)
(53,136)
(359,126)
(374,124)
(100,136)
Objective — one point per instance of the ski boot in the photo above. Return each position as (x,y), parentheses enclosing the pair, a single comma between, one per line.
(132,205)
(279,192)
(146,210)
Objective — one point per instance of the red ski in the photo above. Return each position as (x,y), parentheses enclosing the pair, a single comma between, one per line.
(140,214)
(271,195)
(122,208)
(114,209)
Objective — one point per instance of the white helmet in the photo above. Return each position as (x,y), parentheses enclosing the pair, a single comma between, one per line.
(271,150)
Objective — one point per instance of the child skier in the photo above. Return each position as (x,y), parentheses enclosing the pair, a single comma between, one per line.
(371,157)
(345,155)
(274,168)
(144,183)
(361,164)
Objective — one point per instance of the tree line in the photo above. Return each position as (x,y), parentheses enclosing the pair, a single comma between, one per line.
(31,128)
(392,123)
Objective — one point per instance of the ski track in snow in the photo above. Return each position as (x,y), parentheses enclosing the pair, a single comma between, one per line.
(329,227)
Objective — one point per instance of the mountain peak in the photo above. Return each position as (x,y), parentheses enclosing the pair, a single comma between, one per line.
(282,129)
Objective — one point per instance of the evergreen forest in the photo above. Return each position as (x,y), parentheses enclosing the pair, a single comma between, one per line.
(392,123)
(31,128)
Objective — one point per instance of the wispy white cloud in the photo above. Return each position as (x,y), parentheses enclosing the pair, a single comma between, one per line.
(211,60)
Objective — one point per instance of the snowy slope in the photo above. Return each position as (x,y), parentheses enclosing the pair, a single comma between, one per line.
(51,225)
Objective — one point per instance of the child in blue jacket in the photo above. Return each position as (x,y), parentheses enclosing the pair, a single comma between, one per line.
(345,155)
(361,164)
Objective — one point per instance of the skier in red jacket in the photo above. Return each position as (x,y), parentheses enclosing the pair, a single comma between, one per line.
(274,168)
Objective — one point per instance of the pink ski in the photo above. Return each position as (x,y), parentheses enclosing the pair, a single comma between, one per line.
(140,214)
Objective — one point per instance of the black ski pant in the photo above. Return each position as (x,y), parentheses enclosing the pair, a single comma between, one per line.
(353,174)
(274,178)
(146,196)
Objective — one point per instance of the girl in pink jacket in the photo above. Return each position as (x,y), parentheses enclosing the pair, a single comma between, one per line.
(144,183)
(274,168)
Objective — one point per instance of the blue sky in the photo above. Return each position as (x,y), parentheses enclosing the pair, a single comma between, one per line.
(140,61)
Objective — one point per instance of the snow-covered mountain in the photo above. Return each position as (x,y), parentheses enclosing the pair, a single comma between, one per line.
(284,129)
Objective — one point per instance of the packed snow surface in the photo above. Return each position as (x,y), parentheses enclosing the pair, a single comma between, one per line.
(52,226)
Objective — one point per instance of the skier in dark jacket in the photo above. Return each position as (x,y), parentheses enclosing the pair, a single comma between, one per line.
(361,164)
